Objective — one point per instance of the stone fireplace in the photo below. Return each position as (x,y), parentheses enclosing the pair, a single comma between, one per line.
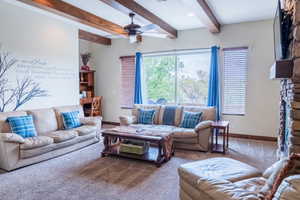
(289,130)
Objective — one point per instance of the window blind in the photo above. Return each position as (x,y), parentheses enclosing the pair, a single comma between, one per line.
(127,81)
(235,80)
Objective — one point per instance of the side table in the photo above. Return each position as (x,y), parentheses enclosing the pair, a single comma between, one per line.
(219,128)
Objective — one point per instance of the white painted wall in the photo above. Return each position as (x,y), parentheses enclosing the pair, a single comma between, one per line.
(47,48)
(262,111)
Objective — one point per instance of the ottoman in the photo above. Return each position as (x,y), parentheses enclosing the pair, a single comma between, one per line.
(198,180)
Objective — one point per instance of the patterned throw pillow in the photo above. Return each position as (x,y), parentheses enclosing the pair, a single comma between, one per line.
(146,116)
(190,119)
(291,167)
(71,119)
(22,126)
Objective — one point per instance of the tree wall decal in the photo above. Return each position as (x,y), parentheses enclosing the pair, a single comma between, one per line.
(25,90)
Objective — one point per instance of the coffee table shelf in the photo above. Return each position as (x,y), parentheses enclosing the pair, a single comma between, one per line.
(156,153)
(151,155)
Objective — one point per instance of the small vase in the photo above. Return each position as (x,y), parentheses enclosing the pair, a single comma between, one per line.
(85,68)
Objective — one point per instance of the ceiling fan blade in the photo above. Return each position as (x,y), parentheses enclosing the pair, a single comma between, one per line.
(157,35)
(148,27)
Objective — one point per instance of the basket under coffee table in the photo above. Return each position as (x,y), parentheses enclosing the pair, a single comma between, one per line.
(161,144)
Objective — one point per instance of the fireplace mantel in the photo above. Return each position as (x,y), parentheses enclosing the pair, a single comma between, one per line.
(282,69)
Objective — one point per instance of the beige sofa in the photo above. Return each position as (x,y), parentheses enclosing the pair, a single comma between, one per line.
(228,179)
(52,140)
(184,138)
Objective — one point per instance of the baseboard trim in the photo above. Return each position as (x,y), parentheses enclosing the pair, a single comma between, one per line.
(111,123)
(252,137)
(233,135)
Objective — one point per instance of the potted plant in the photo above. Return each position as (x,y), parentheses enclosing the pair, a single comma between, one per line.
(85,57)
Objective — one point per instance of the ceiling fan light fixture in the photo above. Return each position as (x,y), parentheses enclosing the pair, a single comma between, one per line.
(132,39)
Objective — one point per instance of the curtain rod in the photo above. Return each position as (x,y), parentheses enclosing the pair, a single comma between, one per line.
(174,50)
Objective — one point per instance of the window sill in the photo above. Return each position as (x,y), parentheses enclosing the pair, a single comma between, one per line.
(233,114)
(126,108)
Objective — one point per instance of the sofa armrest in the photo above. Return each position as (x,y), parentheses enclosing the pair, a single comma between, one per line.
(11,138)
(127,120)
(203,125)
(92,121)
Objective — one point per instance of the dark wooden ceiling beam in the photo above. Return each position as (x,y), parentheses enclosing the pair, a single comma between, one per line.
(127,6)
(71,12)
(209,19)
(93,37)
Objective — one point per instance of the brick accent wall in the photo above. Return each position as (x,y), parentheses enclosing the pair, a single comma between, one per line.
(289,131)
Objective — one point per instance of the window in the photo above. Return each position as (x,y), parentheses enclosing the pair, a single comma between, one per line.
(235,80)
(127,81)
(179,77)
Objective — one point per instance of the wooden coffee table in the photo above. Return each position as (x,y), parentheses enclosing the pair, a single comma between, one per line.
(161,144)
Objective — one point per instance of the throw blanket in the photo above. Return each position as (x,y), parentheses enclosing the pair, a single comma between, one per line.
(169,115)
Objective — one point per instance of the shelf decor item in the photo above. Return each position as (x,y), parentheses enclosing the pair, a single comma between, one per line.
(85,57)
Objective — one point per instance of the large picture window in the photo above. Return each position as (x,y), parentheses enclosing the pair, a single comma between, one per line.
(179,77)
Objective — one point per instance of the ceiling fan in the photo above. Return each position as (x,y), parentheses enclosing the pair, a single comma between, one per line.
(133,30)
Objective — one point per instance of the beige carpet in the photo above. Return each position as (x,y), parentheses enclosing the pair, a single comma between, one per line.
(85,175)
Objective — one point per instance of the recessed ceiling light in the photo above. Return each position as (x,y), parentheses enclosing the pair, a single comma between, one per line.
(191,14)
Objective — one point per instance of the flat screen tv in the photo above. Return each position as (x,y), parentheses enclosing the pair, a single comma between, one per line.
(281,26)
(277,33)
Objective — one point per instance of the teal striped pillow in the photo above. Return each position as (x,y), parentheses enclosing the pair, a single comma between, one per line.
(190,119)
(71,119)
(146,116)
(22,126)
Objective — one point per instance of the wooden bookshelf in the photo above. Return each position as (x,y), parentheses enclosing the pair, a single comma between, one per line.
(89,103)
(86,81)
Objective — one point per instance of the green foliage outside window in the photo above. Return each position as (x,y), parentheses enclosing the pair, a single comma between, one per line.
(177,79)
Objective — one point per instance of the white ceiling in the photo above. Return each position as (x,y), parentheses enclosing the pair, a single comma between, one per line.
(237,11)
(183,14)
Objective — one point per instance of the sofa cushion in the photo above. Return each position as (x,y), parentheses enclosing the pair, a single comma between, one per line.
(190,119)
(252,184)
(146,116)
(4,126)
(208,113)
(22,125)
(217,168)
(36,142)
(71,119)
(45,120)
(63,135)
(85,130)
(61,109)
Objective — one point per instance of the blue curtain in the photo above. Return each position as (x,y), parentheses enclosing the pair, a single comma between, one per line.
(214,89)
(138,97)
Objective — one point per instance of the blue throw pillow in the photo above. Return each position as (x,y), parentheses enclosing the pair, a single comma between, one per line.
(190,119)
(146,116)
(71,119)
(22,126)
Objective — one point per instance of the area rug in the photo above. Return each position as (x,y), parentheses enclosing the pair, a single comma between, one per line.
(84,175)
